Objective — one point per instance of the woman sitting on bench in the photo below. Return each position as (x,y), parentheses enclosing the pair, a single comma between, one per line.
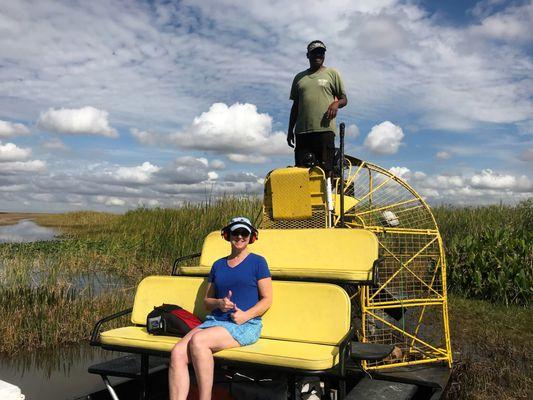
(238,293)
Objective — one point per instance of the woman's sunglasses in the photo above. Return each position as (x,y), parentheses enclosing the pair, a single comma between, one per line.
(240,232)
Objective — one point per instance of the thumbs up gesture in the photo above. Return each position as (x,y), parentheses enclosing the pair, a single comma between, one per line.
(225,303)
(239,316)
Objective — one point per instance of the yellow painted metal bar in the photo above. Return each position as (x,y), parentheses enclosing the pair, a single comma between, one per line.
(445,304)
(407,334)
(424,307)
(407,363)
(370,185)
(352,178)
(364,296)
(447,332)
(410,208)
(403,266)
(419,303)
(408,231)
(385,207)
(407,302)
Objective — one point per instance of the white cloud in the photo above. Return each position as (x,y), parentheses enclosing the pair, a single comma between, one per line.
(12,129)
(384,138)
(86,120)
(184,170)
(488,179)
(379,34)
(238,129)
(11,152)
(140,174)
(203,160)
(512,24)
(401,172)
(109,201)
(23,166)
(352,131)
(54,144)
(212,175)
(485,187)
(217,164)
(445,181)
(443,155)
(145,137)
(241,177)
(406,174)
(250,159)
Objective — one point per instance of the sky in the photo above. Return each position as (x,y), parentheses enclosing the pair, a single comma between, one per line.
(113,105)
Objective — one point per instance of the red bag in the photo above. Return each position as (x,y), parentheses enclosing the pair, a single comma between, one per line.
(171,320)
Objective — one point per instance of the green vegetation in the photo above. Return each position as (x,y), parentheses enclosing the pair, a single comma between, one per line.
(40,305)
(489,251)
(489,254)
(492,350)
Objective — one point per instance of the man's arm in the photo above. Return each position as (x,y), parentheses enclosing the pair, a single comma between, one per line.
(292,123)
(333,107)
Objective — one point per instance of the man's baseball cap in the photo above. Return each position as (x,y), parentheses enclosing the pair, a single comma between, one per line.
(315,44)
(240,222)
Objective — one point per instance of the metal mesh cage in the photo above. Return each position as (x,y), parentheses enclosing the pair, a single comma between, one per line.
(408,306)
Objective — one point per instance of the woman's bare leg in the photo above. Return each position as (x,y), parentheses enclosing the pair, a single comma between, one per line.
(201,347)
(178,371)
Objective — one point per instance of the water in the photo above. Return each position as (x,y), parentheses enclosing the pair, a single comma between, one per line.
(54,375)
(26,231)
(87,283)
(61,373)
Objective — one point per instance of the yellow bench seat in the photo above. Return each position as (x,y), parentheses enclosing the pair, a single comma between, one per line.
(308,356)
(327,254)
(302,329)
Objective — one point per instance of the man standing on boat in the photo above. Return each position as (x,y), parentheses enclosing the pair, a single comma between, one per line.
(317,93)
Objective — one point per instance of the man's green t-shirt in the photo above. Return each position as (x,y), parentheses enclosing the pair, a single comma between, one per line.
(315,92)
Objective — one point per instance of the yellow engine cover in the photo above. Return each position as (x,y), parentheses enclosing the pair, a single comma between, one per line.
(291,197)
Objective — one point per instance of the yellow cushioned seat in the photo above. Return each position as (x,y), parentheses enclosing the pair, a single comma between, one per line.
(278,353)
(302,328)
(334,254)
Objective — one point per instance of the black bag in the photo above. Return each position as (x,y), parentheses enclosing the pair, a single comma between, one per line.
(171,320)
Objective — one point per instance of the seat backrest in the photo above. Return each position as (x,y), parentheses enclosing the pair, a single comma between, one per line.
(336,254)
(301,311)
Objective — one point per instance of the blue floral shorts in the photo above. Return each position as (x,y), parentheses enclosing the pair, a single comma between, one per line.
(245,334)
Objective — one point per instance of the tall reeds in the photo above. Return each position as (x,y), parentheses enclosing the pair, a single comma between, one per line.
(42,307)
(489,251)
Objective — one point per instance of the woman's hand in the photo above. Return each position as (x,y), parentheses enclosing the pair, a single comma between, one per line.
(239,316)
(225,304)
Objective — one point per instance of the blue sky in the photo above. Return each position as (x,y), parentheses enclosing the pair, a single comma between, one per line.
(112,105)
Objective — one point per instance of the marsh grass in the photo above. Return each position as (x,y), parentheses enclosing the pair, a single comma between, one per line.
(492,346)
(38,303)
(489,251)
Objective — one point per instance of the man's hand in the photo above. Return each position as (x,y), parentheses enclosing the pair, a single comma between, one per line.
(239,316)
(225,304)
(332,110)
(290,139)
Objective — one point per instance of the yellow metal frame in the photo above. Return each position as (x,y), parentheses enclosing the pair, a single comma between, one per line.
(413,273)
(372,306)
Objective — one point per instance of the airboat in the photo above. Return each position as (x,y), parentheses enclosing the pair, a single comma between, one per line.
(371,247)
